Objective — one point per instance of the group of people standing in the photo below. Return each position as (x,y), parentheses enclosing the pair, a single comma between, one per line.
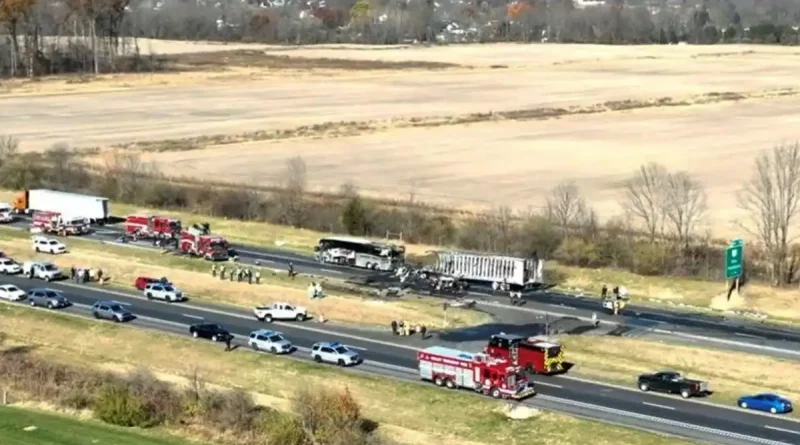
(404,328)
(80,275)
(239,274)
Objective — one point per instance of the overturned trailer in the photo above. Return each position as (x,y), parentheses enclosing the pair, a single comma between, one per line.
(489,268)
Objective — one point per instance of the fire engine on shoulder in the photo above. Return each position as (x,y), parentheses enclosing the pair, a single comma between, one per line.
(197,240)
(531,354)
(152,227)
(458,369)
(56,223)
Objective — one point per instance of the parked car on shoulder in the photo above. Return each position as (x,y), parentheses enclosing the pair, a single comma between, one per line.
(50,298)
(142,282)
(111,310)
(11,293)
(166,292)
(272,341)
(772,403)
(334,352)
(42,270)
(9,266)
(212,331)
(48,245)
(674,383)
(280,311)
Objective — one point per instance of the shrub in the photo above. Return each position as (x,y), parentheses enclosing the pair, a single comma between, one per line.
(116,404)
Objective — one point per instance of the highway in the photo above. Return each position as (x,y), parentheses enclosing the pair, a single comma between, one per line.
(704,329)
(396,357)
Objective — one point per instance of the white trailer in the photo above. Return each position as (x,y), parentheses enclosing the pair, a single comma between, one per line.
(69,205)
(490,268)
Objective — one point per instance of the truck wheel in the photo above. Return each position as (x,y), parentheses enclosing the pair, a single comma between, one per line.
(214,338)
(149,296)
(268,318)
(194,334)
(340,362)
(96,315)
(300,317)
(438,381)
(254,346)
(318,359)
(685,394)
(33,303)
(644,386)
(273,350)
(496,393)
(450,384)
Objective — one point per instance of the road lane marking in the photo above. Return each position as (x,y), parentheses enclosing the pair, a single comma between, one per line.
(193,316)
(559,306)
(739,334)
(783,430)
(122,303)
(551,385)
(658,406)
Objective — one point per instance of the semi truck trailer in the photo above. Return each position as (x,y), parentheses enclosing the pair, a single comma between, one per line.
(69,205)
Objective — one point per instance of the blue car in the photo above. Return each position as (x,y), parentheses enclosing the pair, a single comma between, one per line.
(772,403)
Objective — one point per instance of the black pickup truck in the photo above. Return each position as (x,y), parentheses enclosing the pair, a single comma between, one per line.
(674,383)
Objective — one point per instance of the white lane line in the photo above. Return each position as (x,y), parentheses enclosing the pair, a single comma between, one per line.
(562,307)
(359,349)
(747,335)
(193,316)
(775,428)
(536,383)
(658,406)
(120,302)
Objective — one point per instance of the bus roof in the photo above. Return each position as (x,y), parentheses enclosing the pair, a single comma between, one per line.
(354,240)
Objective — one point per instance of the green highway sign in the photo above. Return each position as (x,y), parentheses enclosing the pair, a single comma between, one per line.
(734,259)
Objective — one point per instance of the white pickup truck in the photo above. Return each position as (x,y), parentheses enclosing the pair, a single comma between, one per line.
(280,311)
(44,271)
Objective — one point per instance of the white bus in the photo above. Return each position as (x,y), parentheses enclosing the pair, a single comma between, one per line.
(360,252)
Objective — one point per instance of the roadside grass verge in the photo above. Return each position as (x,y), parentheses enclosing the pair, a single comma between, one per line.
(409,413)
(334,129)
(45,428)
(783,305)
(731,374)
(123,264)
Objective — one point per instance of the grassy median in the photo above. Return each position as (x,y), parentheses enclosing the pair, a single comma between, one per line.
(407,412)
(123,264)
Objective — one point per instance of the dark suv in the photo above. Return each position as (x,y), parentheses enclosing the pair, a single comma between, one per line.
(212,331)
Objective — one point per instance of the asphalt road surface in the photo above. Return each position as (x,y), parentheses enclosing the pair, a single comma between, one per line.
(664,324)
(397,356)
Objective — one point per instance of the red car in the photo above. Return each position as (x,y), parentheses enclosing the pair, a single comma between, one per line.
(141,282)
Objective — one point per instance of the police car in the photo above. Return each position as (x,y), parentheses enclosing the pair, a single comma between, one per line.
(272,341)
(333,352)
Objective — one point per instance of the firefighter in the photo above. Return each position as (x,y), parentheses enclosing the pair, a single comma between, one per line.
(406,328)
(401,328)
(615,291)
(72,273)
(222,272)
(604,291)
(249,276)
(394,327)
(423,330)
(100,276)
(214,270)
(292,273)
(233,274)
(228,343)
(258,276)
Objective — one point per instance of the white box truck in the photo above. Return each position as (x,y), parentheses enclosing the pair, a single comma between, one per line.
(489,268)
(68,205)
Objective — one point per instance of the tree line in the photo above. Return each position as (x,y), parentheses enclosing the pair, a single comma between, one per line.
(54,36)
(657,233)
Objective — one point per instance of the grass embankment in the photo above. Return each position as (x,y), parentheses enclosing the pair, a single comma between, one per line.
(20,426)
(123,264)
(408,412)
(731,374)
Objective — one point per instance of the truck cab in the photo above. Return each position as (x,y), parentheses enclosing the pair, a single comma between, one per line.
(197,240)
(531,354)
(6,212)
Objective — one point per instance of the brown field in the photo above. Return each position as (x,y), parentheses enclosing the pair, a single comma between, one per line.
(470,165)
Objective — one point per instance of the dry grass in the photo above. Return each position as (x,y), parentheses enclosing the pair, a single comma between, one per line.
(782,304)
(407,411)
(123,265)
(731,374)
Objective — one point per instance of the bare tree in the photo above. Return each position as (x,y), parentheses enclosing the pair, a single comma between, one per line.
(502,221)
(770,199)
(566,206)
(292,199)
(8,148)
(684,204)
(644,197)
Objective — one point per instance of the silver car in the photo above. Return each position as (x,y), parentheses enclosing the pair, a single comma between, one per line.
(334,352)
(47,297)
(111,310)
(272,341)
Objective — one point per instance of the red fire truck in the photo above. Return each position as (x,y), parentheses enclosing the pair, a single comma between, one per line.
(198,241)
(152,227)
(531,354)
(458,369)
(55,223)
